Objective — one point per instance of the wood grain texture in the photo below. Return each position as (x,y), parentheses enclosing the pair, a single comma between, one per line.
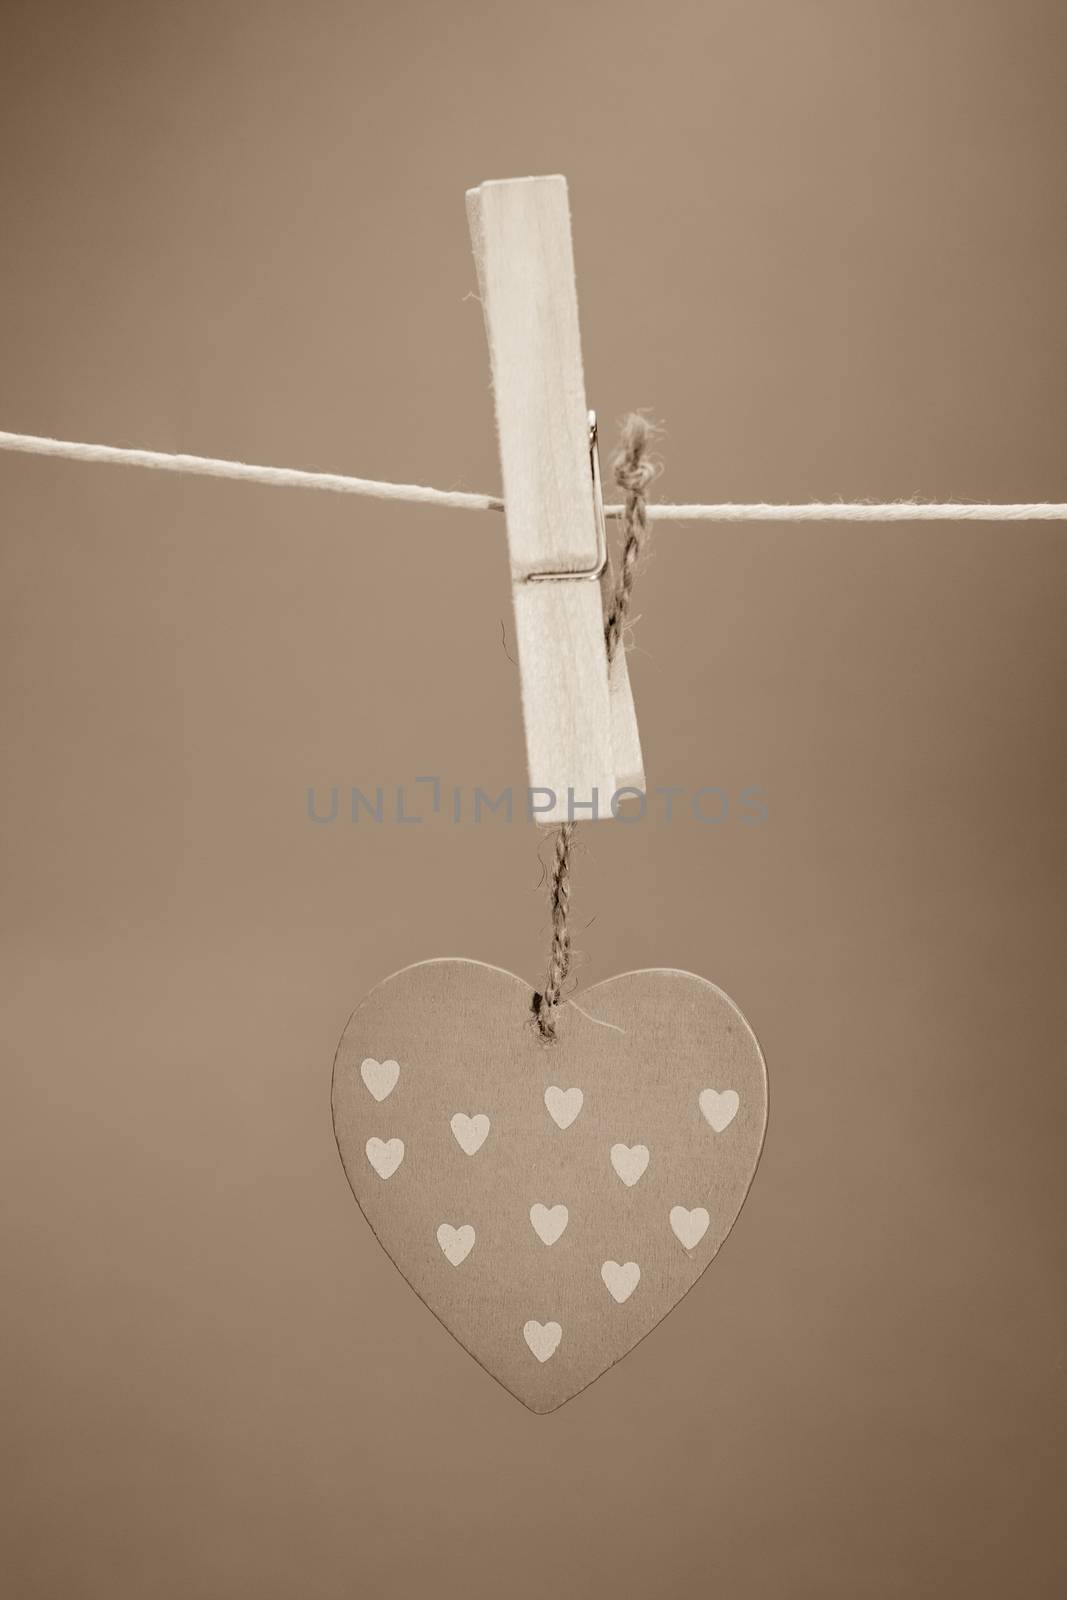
(581,737)
(522,242)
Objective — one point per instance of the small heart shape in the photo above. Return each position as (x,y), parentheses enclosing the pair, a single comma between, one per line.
(719,1109)
(690,1226)
(457,1243)
(471,1132)
(563,1105)
(385,1155)
(620,1281)
(379,1076)
(549,1222)
(629,1162)
(543,1338)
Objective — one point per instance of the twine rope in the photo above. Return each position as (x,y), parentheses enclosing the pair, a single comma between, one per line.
(634,469)
(547,1002)
(461,499)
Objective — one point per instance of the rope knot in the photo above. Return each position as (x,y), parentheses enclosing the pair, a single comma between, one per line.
(634,468)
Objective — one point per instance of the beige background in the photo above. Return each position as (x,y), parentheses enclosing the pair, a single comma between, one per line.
(822,241)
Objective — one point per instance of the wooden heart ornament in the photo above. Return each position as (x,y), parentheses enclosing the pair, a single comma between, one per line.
(549,1203)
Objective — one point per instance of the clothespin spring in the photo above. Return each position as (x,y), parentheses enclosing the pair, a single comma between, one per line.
(595,572)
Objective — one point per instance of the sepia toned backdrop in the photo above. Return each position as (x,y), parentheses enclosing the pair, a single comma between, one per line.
(822,241)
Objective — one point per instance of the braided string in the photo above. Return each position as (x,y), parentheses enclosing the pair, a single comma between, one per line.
(634,469)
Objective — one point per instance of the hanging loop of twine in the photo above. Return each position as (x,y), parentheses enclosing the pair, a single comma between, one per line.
(546,1004)
(634,468)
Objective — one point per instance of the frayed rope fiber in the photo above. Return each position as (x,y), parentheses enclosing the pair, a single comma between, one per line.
(461,499)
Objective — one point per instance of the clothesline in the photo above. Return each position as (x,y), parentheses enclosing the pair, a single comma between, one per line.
(338,483)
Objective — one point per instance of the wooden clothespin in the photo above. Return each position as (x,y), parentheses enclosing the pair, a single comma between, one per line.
(582,743)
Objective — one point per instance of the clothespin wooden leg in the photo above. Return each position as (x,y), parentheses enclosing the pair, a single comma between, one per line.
(581,732)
